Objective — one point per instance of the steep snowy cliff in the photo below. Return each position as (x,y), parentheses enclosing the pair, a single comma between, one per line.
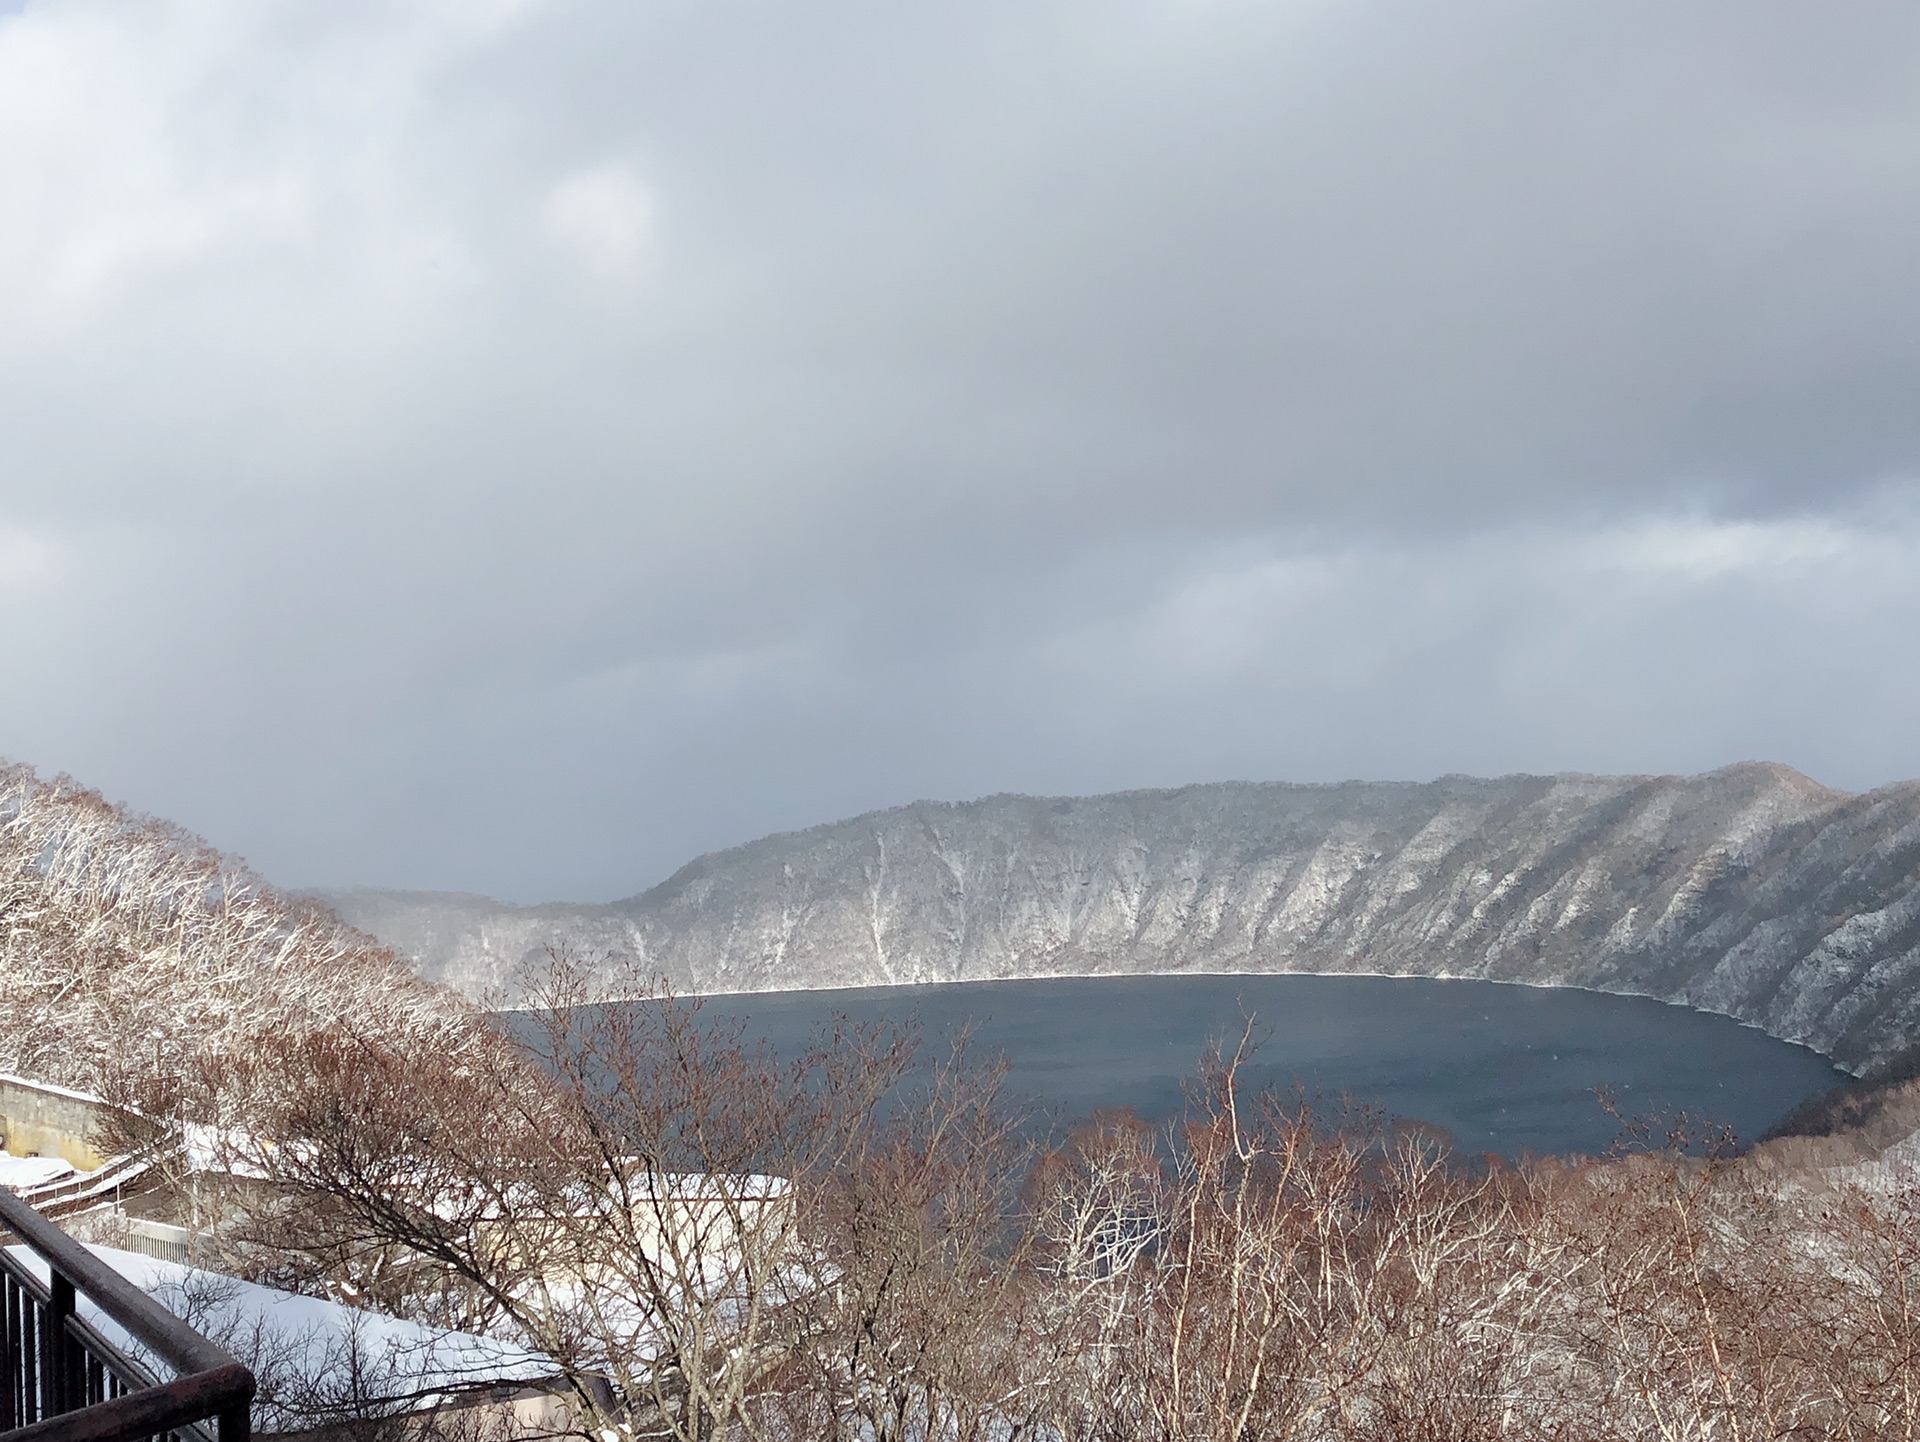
(1750,890)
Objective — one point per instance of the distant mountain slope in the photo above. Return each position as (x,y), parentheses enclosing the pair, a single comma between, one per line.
(1749,890)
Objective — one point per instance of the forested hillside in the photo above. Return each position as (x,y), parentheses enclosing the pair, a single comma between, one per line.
(854,1269)
(1750,890)
(126,943)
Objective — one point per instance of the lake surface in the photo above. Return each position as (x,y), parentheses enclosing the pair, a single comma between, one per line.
(1506,1069)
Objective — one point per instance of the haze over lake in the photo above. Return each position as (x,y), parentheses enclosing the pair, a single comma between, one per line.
(1504,1068)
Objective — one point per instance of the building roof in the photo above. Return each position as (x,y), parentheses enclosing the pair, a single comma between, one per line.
(315,1360)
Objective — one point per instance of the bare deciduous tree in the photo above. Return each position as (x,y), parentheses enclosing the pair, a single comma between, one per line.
(911,1306)
(623,1187)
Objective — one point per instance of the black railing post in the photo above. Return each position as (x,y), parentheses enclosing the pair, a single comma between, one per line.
(236,1425)
(29,1370)
(15,1415)
(69,1383)
(73,1362)
(56,1395)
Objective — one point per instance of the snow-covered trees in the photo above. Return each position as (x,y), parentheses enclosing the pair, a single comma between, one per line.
(713,1243)
(130,947)
(1287,1275)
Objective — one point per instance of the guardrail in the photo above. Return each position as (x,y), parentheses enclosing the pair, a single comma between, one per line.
(65,1381)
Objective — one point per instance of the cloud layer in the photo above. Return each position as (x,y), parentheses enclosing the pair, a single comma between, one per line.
(519,445)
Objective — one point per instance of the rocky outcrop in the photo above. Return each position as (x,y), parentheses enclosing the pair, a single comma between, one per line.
(1750,890)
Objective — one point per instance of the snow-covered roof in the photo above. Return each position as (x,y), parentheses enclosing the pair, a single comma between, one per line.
(699,1186)
(588,1199)
(310,1354)
(19,1174)
(35,1084)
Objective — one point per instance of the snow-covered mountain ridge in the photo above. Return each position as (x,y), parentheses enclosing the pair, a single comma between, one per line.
(1750,890)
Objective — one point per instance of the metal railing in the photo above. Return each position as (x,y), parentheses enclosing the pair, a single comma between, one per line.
(65,1381)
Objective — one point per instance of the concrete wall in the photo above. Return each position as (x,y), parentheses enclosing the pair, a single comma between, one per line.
(37,1119)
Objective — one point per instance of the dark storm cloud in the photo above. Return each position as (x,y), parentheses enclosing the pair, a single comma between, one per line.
(519,445)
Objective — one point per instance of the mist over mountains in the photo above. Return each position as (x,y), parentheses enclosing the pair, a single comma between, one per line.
(1750,890)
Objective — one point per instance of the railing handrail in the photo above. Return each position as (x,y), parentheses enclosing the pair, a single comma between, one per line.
(212,1382)
(170,1338)
(216,1394)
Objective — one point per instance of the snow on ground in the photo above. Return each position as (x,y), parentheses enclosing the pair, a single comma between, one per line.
(19,1174)
(308,1352)
(1896,1168)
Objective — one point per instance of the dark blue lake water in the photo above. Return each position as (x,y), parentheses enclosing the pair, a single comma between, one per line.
(1503,1068)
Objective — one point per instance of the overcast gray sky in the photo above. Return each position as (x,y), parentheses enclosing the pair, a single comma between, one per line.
(515,445)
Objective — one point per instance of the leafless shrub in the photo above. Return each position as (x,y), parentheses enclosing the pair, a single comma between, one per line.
(624,1190)
(1281,1274)
(907,1300)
